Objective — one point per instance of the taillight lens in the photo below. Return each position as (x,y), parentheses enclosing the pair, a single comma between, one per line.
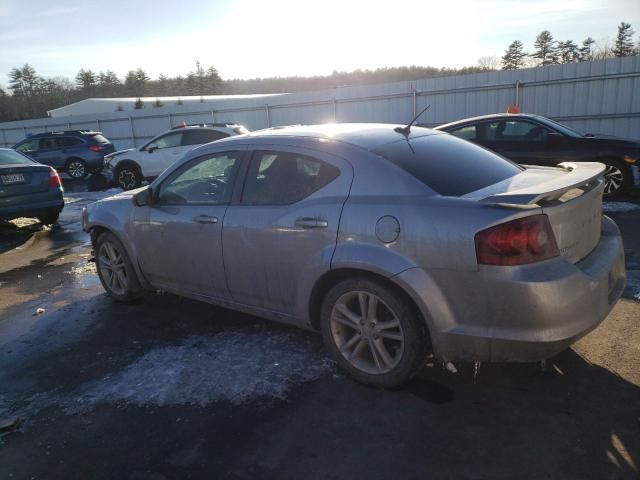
(96,148)
(54,178)
(521,241)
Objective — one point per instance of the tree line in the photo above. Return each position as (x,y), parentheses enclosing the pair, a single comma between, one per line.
(31,95)
(548,51)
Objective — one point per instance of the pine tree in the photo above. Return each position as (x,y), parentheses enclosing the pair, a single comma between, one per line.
(568,51)
(86,79)
(624,41)
(586,50)
(25,82)
(513,56)
(546,50)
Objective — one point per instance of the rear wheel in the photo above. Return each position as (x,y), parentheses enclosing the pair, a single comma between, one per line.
(115,270)
(128,177)
(617,178)
(76,168)
(373,332)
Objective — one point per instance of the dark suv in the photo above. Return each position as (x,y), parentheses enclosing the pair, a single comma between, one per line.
(76,152)
(535,140)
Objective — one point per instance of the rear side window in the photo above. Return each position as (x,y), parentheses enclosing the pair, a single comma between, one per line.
(198,137)
(47,143)
(448,165)
(281,178)
(466,133)
(68,141)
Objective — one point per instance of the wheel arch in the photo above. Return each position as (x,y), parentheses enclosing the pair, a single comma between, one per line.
(330,278)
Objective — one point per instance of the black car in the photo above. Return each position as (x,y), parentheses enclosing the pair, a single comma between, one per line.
(535,140)
(28,189)
(76,152)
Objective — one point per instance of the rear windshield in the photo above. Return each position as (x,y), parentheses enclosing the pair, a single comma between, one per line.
(10,157)
(100,139)
(448,165)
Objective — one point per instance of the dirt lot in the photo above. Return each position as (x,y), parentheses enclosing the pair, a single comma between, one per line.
(171,388)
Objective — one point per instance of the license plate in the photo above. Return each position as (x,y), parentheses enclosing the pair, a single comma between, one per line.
(12,178)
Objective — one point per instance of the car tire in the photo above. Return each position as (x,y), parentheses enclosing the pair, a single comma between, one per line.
(50,218)
(76,168)
(115,269)
(128,176)
(617,177)
(387,345)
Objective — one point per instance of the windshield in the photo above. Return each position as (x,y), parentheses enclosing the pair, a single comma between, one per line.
(448,165)
(11,157)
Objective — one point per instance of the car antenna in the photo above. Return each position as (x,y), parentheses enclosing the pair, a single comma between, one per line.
(407,130)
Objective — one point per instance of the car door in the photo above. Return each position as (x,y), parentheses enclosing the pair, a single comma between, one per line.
(162,153)
(29,148)
(522,141)
(179,236)
(49,153)
(284,227)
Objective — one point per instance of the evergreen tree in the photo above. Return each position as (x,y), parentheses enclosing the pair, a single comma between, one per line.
(86,80)
(624,41)
(25,82)
(586,50)
(136,83)
(568,51)
(514,56)
(546,51)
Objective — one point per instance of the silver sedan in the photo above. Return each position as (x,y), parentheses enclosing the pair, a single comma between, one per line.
(394,243)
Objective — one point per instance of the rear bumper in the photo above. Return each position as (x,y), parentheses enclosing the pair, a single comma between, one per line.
(532,312)
(31,205)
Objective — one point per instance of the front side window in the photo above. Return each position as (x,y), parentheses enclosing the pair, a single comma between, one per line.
(516,131)
(206,180)
(28,146)
(167,141)
(281,178)
(47,143)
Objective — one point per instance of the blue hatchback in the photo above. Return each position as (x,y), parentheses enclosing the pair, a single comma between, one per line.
(76,152)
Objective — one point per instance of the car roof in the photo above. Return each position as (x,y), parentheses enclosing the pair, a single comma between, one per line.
(364,135)
(493,116)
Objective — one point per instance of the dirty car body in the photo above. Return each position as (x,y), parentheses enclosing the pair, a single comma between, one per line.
(503,264)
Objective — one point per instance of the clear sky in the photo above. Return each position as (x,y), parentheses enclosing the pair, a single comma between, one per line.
(248,39)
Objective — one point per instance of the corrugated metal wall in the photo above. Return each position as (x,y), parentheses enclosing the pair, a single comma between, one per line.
(598,97)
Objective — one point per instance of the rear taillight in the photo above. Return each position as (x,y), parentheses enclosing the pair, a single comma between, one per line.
(521,241)
(96,148)
(54,178)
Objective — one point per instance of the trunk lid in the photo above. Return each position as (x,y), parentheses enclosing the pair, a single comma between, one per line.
(571,197)
(23,179)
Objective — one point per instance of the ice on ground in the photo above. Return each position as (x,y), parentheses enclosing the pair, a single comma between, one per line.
(620,206)
(237,367)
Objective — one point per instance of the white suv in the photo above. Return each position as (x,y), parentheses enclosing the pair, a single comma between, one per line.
(129,167)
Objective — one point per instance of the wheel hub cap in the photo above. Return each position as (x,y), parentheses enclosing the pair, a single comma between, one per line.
(112,268)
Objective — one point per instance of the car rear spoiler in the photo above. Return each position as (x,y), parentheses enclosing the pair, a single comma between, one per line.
(540,183)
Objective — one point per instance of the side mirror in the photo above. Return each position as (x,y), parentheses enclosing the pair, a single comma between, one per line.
(151,148)
(143,197)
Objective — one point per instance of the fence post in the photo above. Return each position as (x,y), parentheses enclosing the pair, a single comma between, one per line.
(415,102)
(266,108)
(517,93)
(133,132)
(213,116)
(98,124)
(4,137)
(335,110)
(170,120)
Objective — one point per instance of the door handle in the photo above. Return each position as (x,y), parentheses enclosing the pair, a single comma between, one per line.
(205,219)
(308,223)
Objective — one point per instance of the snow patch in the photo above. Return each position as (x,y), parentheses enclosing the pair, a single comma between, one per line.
(620,206)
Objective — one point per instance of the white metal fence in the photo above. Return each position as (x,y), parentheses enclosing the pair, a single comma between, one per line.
(599,97)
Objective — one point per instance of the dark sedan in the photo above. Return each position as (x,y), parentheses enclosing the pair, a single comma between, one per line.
(28,188)
(535,140)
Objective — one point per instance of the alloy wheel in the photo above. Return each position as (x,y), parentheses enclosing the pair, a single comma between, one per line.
(613,179)
(367,332)
(112,268)
(76,169)
(127,178)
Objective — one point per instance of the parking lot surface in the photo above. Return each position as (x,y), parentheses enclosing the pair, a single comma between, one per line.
(173,388)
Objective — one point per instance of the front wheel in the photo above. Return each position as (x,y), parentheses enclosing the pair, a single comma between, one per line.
(617,178)
(373,332)
(115,270)
(128,177)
